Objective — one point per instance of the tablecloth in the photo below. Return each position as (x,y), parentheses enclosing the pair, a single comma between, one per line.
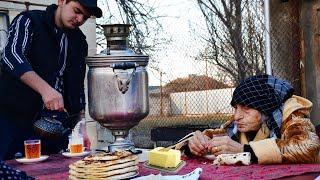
(56,167)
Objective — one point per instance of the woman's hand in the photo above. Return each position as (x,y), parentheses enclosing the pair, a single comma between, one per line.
(224,145)
(198,143)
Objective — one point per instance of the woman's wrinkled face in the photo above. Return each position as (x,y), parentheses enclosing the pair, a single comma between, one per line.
(247,119)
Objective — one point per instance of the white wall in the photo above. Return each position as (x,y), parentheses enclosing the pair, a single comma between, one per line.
(89,29)
(202,102)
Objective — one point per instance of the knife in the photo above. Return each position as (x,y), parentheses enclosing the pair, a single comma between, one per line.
(182,140)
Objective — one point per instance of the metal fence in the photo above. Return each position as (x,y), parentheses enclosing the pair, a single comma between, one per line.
(203,97)
(192,103)
(286,41)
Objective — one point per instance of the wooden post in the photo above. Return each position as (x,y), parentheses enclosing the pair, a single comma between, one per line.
(285,41)
(310,24)
(161,108)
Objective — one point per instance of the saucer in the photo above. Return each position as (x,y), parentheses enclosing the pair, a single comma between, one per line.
(68,154)
(34,160)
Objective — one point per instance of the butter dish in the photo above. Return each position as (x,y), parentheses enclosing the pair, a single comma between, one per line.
(172,170)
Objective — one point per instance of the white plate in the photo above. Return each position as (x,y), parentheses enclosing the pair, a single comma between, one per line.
(132,176)
(68,154)
(26,161)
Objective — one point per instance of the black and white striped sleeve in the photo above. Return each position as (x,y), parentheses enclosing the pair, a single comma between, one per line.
(14,58)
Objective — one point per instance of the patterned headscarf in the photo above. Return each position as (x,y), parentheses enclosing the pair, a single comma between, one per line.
(267,95)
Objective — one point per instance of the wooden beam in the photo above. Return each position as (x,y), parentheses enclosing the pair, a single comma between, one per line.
(27,3)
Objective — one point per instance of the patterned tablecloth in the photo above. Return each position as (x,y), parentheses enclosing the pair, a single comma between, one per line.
(56,167)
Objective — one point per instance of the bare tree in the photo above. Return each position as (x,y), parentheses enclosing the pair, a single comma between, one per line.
(235,43)
(144,20)
(146,35)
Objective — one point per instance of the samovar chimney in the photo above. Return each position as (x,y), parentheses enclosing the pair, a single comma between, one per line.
(117,36)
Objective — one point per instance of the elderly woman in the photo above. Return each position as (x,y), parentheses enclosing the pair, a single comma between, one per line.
(269,122)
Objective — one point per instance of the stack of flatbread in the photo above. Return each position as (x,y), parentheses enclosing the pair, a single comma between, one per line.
(116,165)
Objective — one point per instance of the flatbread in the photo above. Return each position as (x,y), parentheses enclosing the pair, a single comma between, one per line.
(115,177)
(92,164)
(108,156)
(116,165)
(103,174)
(104,168)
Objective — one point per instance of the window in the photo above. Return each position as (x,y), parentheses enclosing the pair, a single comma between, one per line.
(4,24)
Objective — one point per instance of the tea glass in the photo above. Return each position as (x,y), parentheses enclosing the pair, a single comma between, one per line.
(32,148)
(76,143)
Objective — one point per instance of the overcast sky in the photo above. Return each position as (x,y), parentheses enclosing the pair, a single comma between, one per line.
(176,58)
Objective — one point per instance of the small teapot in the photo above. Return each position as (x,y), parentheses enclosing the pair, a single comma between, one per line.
(51,124)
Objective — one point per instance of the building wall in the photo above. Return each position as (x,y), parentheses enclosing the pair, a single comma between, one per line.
(15,8)
(188,103)
(212,102)
(155,106)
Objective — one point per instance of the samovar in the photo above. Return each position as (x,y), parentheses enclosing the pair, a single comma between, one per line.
(118,86)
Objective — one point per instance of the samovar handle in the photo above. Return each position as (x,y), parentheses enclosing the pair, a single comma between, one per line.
(123,84)
(124,65)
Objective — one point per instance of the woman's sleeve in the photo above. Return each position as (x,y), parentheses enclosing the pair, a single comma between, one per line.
(299,143)
(267,151)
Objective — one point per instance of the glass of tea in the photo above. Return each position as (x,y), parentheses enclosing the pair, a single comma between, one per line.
(32,148)
(76,143)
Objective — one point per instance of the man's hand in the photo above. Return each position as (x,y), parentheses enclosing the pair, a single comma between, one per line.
(52,99)
(198,143)
(224,145)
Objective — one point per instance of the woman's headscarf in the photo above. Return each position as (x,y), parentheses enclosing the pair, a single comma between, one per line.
(267,95)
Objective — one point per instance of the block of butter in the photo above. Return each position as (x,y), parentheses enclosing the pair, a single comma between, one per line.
(165,158)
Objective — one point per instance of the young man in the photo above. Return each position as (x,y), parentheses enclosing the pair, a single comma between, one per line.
(43,69)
